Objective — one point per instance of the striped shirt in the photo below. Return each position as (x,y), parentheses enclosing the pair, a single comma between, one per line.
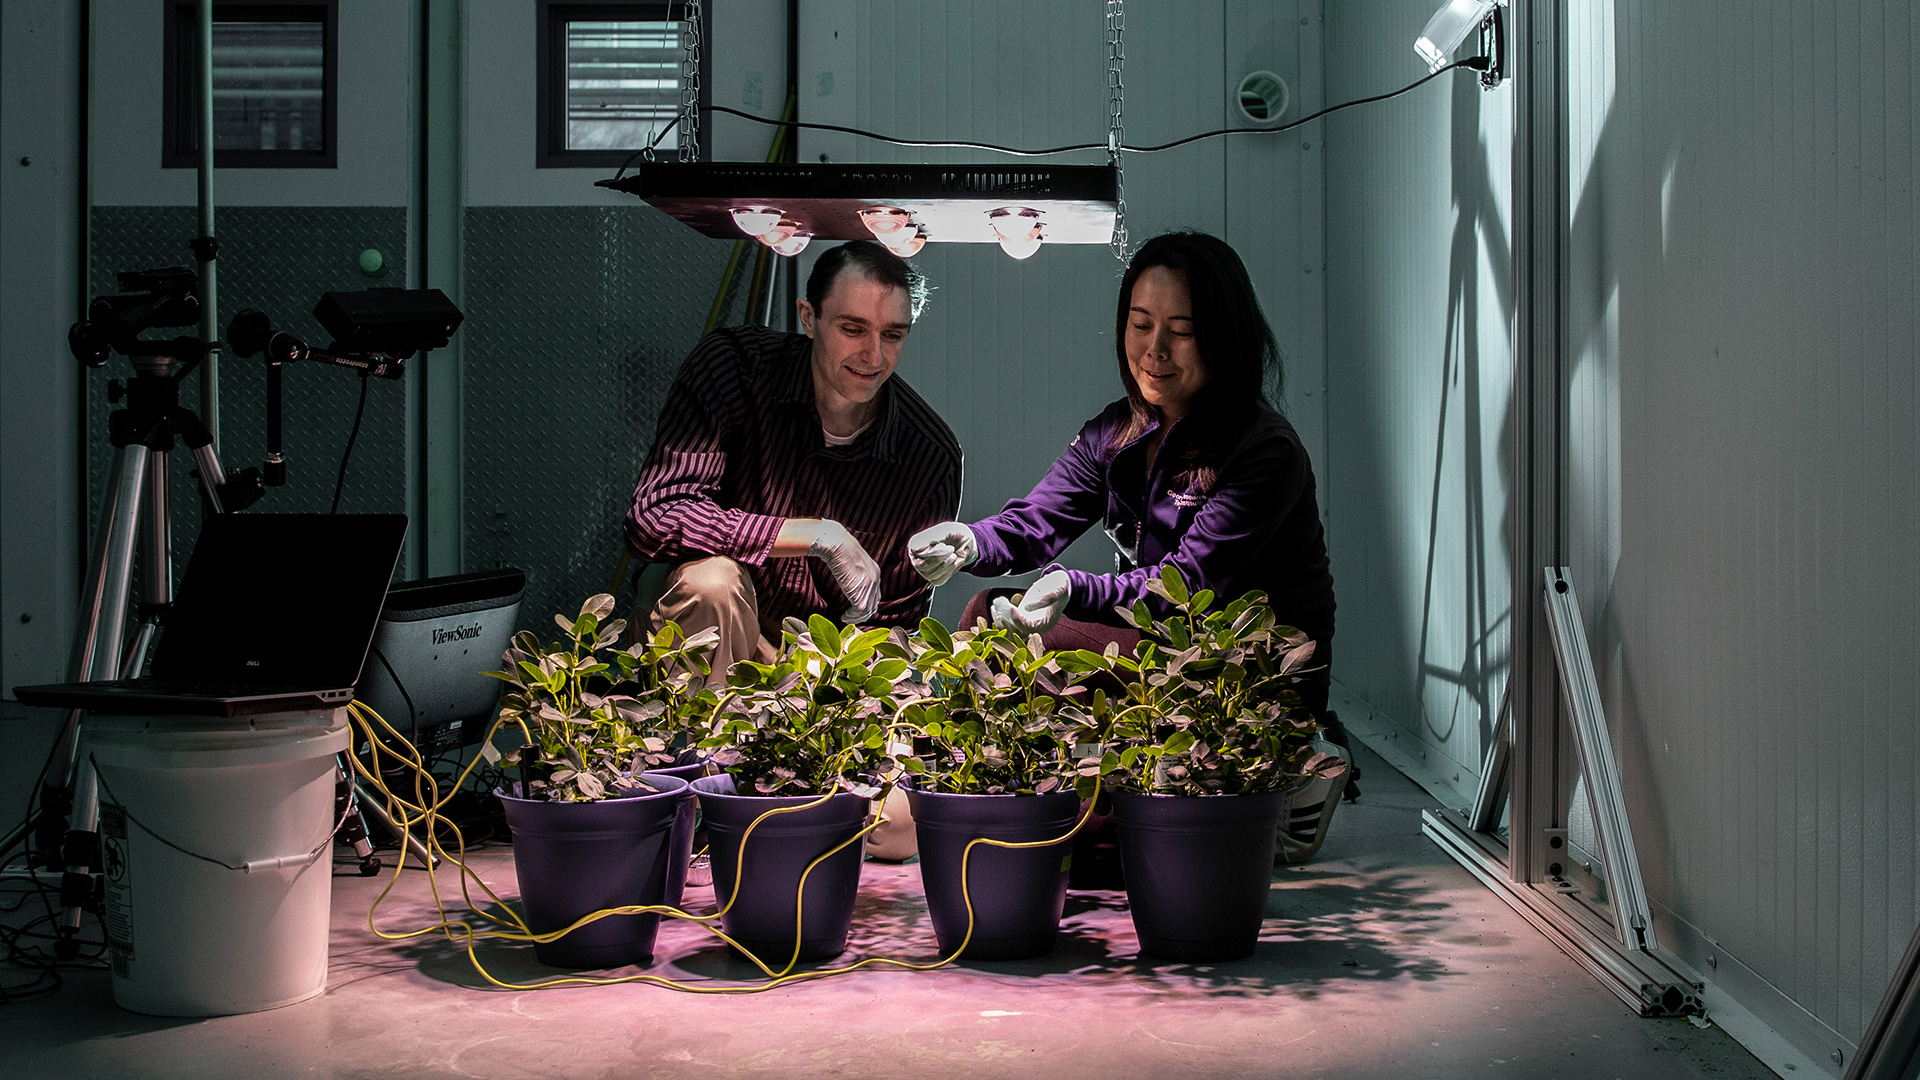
(740,449)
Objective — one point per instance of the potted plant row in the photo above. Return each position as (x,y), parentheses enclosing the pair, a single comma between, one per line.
(997,741)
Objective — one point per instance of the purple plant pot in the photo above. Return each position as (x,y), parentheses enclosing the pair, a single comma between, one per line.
(1198,870)
(1017,894)
(573,859)
(686,827)
(762,917)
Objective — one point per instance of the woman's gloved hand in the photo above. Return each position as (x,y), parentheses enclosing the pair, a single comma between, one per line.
(942,550)
(1039,608)
(853,569)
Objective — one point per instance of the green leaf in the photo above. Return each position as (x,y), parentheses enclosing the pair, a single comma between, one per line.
(889,669)
(1175,584)
(826,637)
(935,635)
(1202,600)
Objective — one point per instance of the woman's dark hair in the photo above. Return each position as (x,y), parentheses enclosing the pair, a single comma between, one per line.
(873,262)
(1229,330)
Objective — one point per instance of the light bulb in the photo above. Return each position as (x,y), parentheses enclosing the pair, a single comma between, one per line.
(754,220)
(791,245)
(885,222)
(779,233)
(907,243)
(1018,228)
(1449,27)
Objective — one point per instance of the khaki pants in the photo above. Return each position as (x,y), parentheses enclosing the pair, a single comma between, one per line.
(714,592)
(718,592)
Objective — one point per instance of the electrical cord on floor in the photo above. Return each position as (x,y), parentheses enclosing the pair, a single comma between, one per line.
(28,946)
(428,802)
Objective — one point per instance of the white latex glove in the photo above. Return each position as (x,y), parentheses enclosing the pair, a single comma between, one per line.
(1039,609)
(942,550)
(855,571)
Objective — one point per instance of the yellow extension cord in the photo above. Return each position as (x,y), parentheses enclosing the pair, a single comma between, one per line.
(425,808)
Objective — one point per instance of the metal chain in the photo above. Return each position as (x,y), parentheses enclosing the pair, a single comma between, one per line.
(690,85)
(1116,100)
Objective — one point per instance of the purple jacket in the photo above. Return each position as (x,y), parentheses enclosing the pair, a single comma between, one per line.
(1258,527)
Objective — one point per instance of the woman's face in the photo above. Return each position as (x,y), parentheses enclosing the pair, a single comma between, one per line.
(1161,351)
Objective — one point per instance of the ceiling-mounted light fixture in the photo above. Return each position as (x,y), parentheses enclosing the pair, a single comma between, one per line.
(902,206)
(944,204)
(1019,229)
(1451,25)
(756,220)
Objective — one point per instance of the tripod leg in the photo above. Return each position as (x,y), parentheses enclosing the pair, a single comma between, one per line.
(353,825)
(414,844)
(212,476)
(103,616)
(82,856)
(157,568)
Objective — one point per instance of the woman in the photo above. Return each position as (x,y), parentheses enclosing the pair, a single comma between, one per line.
(1193,469)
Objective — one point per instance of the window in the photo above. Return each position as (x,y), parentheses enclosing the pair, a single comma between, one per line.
(274,79)
(609,81)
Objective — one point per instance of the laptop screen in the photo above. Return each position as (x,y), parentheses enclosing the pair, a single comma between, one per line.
(281,599)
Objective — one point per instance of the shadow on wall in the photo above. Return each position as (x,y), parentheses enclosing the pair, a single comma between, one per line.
(1436,650)
(1483,616)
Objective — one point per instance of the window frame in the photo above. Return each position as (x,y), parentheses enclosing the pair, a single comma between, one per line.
(180,123)
(550,149)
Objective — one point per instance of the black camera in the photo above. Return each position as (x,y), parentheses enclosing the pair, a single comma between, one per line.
(162,296)
(373,331)
(392,322)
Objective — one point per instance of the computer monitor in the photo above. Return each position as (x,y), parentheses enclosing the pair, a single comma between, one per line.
(436,636)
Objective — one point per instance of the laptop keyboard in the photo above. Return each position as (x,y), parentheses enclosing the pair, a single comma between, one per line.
(200,687)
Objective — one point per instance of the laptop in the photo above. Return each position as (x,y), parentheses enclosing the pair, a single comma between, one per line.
(274,614)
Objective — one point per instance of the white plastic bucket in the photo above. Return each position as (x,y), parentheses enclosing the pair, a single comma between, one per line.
(216,841)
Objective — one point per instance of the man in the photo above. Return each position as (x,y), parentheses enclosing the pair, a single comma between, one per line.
(789,470)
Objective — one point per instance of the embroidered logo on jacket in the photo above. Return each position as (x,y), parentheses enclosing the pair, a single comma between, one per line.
(1186,500)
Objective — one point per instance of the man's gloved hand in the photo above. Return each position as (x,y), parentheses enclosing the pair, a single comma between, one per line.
(855,571)
(941,551)
(1039,609)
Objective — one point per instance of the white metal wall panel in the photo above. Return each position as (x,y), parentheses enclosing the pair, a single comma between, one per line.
(39,298)
(1419,361)
(1742,475)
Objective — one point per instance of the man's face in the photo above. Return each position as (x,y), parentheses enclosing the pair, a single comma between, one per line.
(857,335)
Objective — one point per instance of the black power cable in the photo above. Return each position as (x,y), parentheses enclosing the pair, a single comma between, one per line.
(1474,63)
(359,412)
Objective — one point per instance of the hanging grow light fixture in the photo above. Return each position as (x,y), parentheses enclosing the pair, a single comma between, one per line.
(905,207)
(902,206)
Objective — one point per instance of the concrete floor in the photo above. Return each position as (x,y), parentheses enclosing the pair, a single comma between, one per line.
(1382,959)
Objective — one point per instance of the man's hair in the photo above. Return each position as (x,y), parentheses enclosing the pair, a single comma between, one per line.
(873,262)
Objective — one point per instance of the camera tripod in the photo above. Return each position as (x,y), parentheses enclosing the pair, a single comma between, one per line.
(137,505)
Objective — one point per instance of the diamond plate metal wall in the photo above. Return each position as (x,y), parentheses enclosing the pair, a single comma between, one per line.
(577,320)
(277,259)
